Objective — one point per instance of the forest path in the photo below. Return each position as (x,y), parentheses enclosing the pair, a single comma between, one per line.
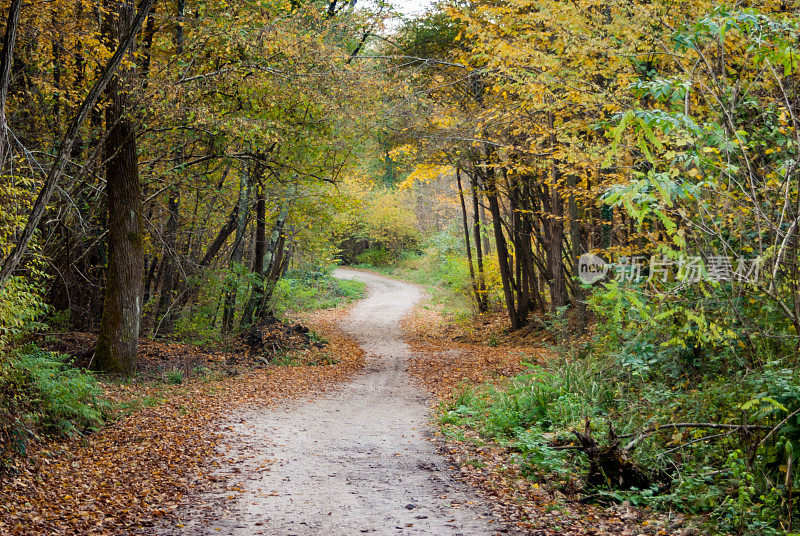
(356,460)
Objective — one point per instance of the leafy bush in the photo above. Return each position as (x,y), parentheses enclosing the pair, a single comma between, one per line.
(41,394)
(736,479)
(20,306)
(376,256)
(374,216)
(200,323)
(306,289)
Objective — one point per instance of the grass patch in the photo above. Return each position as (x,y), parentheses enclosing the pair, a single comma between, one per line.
(312,290)
(440,266)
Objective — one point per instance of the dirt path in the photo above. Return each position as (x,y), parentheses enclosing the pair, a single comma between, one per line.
(357,460)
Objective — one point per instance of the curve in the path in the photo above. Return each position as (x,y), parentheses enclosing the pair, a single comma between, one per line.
(359,459)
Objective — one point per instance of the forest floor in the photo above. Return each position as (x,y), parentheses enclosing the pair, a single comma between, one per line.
(449,358)
(162,445)
(346,446)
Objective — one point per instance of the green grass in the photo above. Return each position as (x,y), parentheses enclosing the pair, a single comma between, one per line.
(299,290)
(312,290)
(440,266)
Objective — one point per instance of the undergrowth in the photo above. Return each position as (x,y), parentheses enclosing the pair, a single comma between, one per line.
(440,266)
(309,290)
(305,289)
(42,395)
(733,478)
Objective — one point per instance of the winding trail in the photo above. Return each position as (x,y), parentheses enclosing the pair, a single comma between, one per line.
(358,459)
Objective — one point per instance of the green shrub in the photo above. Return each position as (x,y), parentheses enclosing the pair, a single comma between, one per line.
(376,256)
(306,289)
(736,493)
(20,307)
(41,394)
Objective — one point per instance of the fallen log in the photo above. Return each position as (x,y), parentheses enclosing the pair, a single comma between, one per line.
(610,464)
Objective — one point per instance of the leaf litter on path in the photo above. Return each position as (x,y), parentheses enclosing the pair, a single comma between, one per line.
(136,470)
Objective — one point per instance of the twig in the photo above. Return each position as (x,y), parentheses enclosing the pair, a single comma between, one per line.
(713,425)
(772,431)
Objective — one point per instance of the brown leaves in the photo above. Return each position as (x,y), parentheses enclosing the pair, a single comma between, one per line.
(447,357)
(136,470)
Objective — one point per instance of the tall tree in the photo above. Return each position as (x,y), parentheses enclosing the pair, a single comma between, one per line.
(6,60)
(118,341)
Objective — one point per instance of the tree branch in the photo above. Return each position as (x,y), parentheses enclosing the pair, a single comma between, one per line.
(60,163)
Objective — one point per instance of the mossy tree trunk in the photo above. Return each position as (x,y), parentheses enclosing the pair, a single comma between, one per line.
(118,341)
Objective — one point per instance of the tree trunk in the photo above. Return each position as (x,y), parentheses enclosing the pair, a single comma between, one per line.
(5,75)
(473,279)
(118,341)
(506,274)
(273,261)
(487,243)
(148,280)
(277,268)
(576,246)
(229,310)
(521,242)
(169,264)
(555,225)
(258,257)
(483,304)
(169,277)
(270,265)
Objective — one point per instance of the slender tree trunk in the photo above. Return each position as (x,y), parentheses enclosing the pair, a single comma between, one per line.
(483,304)
(487,243)
(473,279)
(555,223)
(529,265)
(118,341)
(80,75)
(576,246)
(148,33)
(273,261)
(258,257)
(506,274)
(229,310)
(6,62)
(269,265)
(277,268)
(148,280)
(57,45)
(520,259)
(168,275)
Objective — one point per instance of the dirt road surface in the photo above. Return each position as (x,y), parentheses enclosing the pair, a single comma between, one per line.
(357,460)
